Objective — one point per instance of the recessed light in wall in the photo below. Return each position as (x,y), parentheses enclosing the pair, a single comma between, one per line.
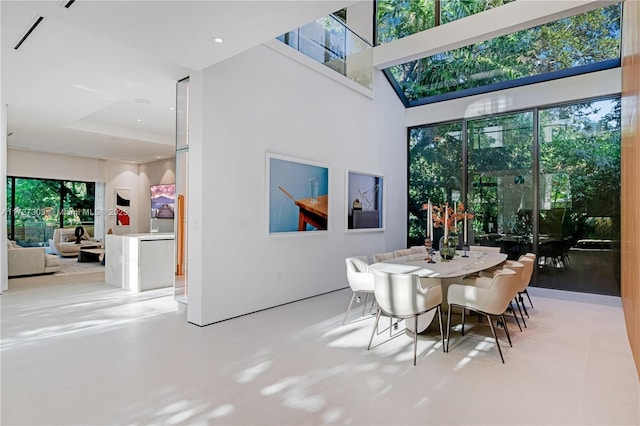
(218,40)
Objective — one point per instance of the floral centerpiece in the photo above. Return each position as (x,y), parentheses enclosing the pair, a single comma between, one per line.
(449,220)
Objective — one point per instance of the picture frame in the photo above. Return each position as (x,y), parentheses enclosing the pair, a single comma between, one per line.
(163,200)
(364,202)
(123,206)
(297,196)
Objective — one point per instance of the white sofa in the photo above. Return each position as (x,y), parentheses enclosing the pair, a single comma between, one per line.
(64,244)
(30,260)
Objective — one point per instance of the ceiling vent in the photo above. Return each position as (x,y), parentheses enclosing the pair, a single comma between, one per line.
(29,31)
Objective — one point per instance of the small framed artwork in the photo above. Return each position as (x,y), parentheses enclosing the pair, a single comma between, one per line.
(297,195)
(365,201)
(123,206)
(163,200)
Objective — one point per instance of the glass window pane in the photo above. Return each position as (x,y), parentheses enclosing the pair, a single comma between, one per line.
(37,210)
(435,173)
(578,41)
(579,197)
(500,193)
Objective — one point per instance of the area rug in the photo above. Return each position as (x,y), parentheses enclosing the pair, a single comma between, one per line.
(71,266)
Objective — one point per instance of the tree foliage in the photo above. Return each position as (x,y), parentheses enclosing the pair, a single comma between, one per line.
(583,39)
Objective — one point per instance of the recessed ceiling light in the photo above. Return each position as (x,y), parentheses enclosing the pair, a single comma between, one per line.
(171,108)
(139,120)
(218,40)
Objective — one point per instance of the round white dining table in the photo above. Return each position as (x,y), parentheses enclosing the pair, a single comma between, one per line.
(441,272)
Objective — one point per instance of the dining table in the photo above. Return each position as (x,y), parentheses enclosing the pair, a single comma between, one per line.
(441,271)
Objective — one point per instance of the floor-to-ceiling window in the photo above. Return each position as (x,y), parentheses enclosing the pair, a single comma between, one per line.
(499,171)
(37,206)
(435,173)
(579,196)
(569,154)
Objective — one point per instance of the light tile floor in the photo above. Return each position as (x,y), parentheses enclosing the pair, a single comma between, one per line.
(76,351)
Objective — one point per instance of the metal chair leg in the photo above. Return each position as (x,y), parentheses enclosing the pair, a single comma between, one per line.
(515,315)
(364,305)
(441,328)
(415,339)
(528,297)
(493,331)
(448,328)
(506,330)
(521,315)
(375,327)
(522,303)
(353,297)
(463,314)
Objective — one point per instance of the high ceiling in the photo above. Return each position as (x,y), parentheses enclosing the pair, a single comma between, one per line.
(97,79)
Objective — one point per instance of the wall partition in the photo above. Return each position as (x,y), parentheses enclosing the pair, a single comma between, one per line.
(543,180)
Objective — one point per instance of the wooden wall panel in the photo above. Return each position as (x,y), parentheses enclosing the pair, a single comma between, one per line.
(630,197)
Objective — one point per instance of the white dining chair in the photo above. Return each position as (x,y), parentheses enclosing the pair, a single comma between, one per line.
(485,249)
(401,252)
(486,276)
(418,249)
(360,280)
(491,301)
(381,257)
(403,296)
(529,262)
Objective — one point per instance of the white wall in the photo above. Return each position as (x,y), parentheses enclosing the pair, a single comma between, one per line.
(52,166)
(261,101)
(154,173)
(4,282)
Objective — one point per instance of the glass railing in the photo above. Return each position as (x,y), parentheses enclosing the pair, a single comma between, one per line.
(329,41)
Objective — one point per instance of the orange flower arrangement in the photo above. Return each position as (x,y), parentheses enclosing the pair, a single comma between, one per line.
(445,217)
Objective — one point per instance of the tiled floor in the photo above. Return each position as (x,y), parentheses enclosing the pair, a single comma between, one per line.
(76,351)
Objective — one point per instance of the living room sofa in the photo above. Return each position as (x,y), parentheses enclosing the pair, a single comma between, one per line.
(64,244)
(30,260)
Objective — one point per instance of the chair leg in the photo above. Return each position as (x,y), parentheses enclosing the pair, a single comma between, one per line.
(463,315)
(515,315)
(415,339)
(528,297)
(375,327)
(353,297)
(364,305)
(493,331)
(520,310)
(448,328)
(522,303)
(506,329)
(441,328)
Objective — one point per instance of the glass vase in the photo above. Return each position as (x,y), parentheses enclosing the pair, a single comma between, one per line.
(448,247)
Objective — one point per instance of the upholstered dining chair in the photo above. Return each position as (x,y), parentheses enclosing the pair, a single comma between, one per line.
(360,280)
(403,296)
(401,252)
(418,249)
(491,301)
(529,262)
(485,249)
(487,276)
(381,257)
